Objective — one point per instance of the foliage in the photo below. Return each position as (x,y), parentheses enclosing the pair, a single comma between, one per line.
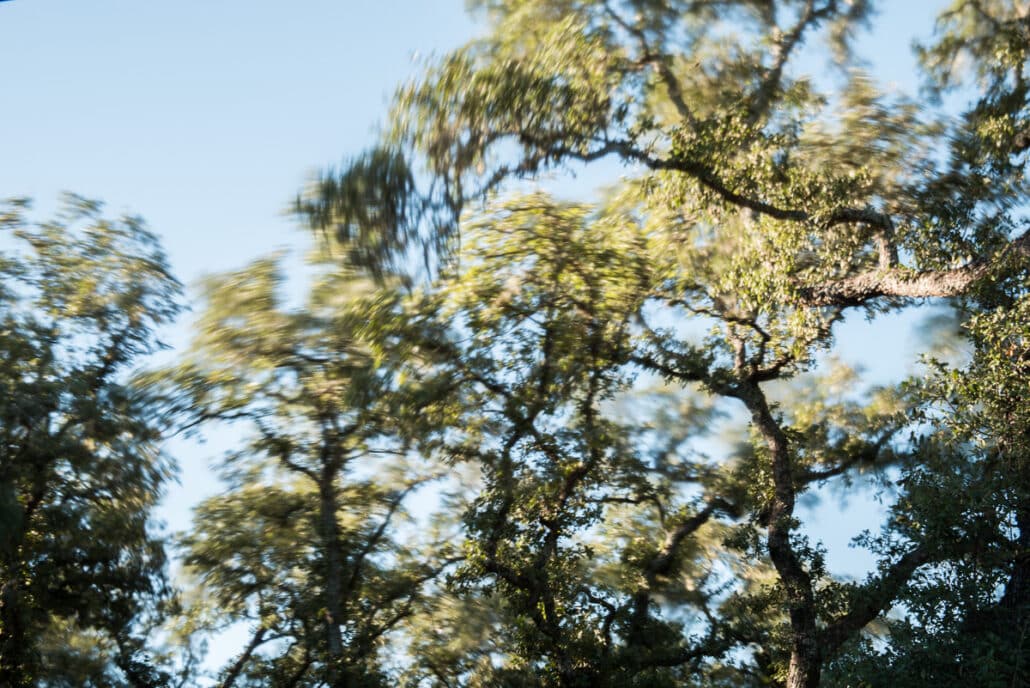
(577,449)
(303,547)
(762,205)
(82,567)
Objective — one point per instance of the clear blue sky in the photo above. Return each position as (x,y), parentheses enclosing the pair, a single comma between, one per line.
(206,117)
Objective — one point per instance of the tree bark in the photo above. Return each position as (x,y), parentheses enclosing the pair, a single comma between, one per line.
(334,571)
(806,657)
(907,284)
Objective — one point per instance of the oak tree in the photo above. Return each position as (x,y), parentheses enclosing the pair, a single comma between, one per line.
(766,205)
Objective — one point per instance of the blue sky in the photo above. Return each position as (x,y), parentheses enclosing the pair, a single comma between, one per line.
(204,116)
(207,116)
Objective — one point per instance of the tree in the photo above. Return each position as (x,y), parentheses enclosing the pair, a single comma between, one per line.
(304,546)
(540,325)
(970,614)
(765,205)
(82,566)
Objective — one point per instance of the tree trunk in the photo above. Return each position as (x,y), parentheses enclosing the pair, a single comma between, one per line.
(805,657)
(333,573)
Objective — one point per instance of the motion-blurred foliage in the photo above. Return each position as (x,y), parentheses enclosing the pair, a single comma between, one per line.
(516,440)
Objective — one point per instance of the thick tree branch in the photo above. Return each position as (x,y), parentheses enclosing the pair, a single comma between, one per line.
(805,660)
(663,559)
(881,595)
(899,283)
(868,454)
(661,564)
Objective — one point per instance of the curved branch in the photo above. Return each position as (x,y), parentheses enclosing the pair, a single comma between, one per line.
(899,283)
(843,628)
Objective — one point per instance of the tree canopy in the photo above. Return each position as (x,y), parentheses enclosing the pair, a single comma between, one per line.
(513,438)
(82,567)
(762,203)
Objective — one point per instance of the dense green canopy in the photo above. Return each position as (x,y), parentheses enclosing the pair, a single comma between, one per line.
(82,579)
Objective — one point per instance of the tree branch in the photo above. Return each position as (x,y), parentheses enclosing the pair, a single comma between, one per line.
(241,661)
(900,283)
(880,597)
